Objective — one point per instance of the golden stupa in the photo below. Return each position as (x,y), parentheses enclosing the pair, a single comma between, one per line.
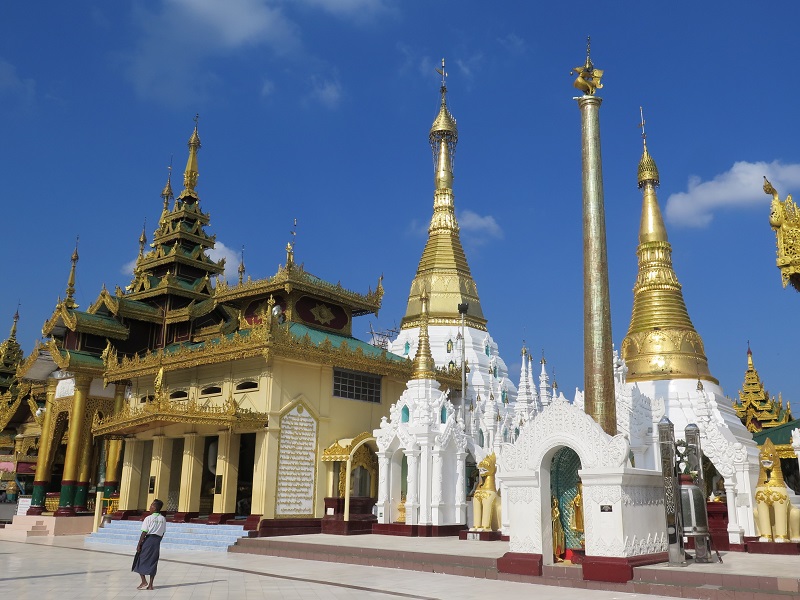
(662,342)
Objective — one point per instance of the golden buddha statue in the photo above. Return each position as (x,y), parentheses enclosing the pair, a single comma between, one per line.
(401,510)
(576,504)
(485,501)
(776,519)
(559,539)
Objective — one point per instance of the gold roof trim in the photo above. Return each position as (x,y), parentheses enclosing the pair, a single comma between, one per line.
(162,411)
(340,449)
(260,341)
(295,277)
(123,307)
(9,403)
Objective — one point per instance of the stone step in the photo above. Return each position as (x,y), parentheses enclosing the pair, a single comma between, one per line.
(179,536)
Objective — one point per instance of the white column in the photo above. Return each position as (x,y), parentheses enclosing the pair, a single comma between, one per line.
(412,504)
(384,496)
(438,508)
(424,490)
(734,531)
(461,489)
(347,487)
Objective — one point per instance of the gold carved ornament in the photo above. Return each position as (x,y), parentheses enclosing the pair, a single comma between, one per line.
(784,217)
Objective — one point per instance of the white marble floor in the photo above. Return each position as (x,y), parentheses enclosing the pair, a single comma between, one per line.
(63,569)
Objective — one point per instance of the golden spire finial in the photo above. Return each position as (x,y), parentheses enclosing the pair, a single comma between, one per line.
(423,360)
(13,334)
(143,239)
(290,245)
(588,80)
(166,193)
(648,171)
(191,174)
(543,361)
(661,342)
(241,268)
(69,301)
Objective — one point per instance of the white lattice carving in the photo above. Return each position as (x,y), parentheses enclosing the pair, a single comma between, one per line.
(642,496)
(652,544)
(524,545)
(521,495)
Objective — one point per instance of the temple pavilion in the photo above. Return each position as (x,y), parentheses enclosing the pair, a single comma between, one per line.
(219,399)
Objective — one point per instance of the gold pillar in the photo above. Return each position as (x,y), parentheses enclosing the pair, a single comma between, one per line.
(600,402)
(85,473)
(43,465)
(228,469)
(131,480)
(77,433)
(191,474)
(160,469)
(114,449)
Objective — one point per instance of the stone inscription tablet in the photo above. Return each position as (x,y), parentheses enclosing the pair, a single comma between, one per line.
(297,464)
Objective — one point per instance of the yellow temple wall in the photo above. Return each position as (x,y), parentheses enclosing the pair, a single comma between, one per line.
(281,383)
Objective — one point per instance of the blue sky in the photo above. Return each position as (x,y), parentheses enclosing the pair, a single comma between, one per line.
(319,110)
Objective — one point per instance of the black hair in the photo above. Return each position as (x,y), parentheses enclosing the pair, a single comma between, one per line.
(158,504)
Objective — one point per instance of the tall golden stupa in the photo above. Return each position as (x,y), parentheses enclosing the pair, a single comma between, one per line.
(662,342)
(443,271)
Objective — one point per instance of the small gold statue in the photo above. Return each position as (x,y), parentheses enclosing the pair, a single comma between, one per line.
(559,539)
(588,80)
(576,518)
(401,510)
(776,519)
(485,501)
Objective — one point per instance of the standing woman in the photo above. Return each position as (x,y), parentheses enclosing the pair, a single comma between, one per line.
(146,560)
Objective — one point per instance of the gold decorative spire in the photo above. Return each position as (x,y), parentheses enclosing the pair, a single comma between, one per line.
(443,271)
(142,240)
(755,407)
(424,367)
(662,342)
(647,166)
(13,334)
(588,80)
(166,193)
(241,268)
(191,174)
(69,301)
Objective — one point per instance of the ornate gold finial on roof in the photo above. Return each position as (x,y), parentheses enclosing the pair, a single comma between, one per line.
(142,240)
(662,342)
(784,217)
(166,193)
(290,246)
(69,301)
(241,268)
(444,121)
(647,166)
(543,361)
(13,334)
(588,80)
(755,407)
(424,367)
(191,174)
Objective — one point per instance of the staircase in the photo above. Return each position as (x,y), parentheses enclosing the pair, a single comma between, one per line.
(25,530)
(179,536)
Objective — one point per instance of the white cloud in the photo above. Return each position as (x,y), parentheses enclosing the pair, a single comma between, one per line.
(479,228)
(513,43)
(738,188)
(267,88)
(231,257)
(358,9)
(14,86)
(327,92)
(168,62)
(469,66)
(127,268)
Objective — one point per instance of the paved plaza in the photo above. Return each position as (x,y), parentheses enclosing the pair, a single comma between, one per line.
(64,568)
